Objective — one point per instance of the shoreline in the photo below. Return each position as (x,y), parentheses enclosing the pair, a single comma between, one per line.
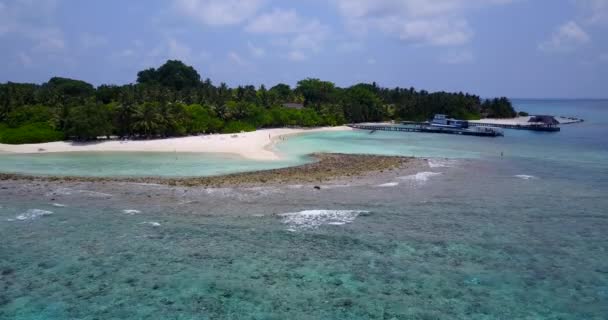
(255,145)
(328,167)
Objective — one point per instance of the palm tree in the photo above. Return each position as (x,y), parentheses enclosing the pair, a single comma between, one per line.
(148,119)
(124,117)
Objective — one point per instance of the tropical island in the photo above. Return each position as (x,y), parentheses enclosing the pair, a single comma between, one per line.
(173,101)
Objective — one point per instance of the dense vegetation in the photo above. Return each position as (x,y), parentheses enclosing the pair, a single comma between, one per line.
(173,101)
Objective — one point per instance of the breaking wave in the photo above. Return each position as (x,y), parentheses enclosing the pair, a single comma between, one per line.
(442,163)
(525,177)
(389,184)
(312,219)
(131,211)
(152,223)
(421,176)
(32,214)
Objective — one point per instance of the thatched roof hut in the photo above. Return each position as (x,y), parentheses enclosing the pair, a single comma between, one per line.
(546,120)
(293,105)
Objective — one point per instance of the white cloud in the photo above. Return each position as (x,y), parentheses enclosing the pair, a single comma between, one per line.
(300,36)
(25,59)
(276,22)
(284,22)
(126,53)
(594,12)
(436,32)
(350,46)
(296,55)
(204,55)
(88,40)
(457,57)
(32,21)
(236,58)
(219,12)
(567,37)
(257,52)
(47,40)
(177,50)
(169,48)
(439,22)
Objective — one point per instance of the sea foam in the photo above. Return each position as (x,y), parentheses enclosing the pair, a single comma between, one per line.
(32,214)
(131,211)
(421,176)
(312,219)
(525,177)
(389,184)
(152,223)
(442,163)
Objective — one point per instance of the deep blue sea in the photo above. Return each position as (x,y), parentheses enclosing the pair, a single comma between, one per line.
(476,235)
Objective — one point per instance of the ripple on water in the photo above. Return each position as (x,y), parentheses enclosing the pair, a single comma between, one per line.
(69,191)
(312,219)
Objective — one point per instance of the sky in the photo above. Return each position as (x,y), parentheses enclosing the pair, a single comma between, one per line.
(514,48)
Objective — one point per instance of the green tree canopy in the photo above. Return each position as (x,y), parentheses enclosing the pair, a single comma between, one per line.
(316,92)
(89,121)
(172,101)
(173,74)
(71,87)
(282,92)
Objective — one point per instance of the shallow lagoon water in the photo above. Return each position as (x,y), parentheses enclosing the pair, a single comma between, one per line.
(116,164)
(474,240)
(580,144)
(453,246)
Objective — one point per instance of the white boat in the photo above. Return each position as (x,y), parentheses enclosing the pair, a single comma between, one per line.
(442,121)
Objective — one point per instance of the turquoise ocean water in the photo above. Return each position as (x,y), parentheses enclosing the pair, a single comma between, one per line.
(477,236)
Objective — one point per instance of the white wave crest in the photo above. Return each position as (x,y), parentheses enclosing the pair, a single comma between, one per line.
(442,163)
(389,184)
(58,205)
(421,176)
(312,219)
(32,214)
(152,223)
(335,186)
(525,177)
(131,211)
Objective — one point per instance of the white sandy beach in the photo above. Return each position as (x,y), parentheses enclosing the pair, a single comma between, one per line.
(256,145)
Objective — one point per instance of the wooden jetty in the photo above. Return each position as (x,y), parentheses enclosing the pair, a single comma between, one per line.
(427,129)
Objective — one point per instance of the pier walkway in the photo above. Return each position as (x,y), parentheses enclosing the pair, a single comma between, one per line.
(532,127)
(427,129)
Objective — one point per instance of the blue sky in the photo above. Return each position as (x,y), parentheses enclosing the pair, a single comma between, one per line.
(517,48)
